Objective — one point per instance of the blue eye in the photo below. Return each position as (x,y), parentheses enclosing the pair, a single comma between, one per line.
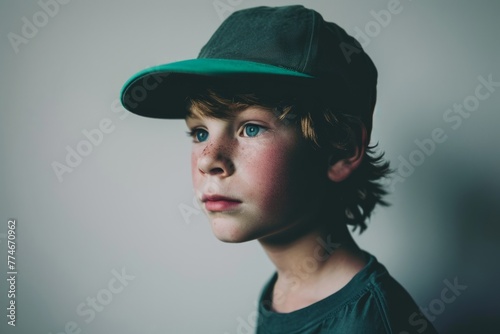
(252,130)
(201,135)
(198,135)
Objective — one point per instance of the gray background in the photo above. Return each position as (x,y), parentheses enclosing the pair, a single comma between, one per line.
(121,206)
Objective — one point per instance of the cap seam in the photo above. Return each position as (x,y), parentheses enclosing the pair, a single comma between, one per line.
(310,41)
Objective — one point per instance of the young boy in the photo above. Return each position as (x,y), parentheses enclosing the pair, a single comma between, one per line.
(279,105)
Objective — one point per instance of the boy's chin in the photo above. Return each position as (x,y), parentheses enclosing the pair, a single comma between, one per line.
(230,233)
(231,237)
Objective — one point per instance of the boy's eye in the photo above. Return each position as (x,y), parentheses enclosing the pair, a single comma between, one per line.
(252,130)
(198,135)
(201,135)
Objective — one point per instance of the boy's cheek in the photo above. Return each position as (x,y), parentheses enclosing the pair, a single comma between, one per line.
(193,161)
(194,168)
(272,175)
(287,178)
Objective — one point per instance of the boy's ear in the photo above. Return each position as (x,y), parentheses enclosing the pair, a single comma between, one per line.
(339,170)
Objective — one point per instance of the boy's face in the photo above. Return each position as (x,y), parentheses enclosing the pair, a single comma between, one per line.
(267,173)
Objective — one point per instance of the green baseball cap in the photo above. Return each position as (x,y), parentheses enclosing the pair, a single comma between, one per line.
(290,46)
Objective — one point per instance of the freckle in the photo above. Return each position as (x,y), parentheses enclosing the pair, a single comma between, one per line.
(206,150)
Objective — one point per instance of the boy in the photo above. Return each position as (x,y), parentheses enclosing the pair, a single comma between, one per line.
(279,105)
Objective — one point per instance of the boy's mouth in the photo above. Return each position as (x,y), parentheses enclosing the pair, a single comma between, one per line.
(216,202)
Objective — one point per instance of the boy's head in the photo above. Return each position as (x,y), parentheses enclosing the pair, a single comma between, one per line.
(279,104)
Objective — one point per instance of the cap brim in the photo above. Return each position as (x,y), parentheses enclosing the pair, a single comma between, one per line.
(160,91)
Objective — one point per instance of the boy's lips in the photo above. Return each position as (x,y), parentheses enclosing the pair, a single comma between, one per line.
(217,202)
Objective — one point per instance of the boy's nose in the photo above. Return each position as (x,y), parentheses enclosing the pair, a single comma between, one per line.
(216,159)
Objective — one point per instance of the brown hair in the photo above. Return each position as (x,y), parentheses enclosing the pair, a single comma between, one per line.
(326,129)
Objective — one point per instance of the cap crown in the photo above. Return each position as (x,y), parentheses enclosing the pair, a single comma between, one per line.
(299,39)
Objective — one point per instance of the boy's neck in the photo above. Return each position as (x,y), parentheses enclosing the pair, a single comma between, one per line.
(311,264)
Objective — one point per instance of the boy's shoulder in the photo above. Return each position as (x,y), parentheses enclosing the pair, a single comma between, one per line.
(372,302)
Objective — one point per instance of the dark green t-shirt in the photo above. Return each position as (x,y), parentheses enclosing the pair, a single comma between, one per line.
(372,302)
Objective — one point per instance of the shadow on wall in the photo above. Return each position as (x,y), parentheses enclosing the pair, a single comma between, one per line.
(470,196)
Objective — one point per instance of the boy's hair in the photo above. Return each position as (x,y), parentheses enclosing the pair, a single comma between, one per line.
(327,128)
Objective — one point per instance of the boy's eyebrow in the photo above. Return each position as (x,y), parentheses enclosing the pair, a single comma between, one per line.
(193,115)
(190,116)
